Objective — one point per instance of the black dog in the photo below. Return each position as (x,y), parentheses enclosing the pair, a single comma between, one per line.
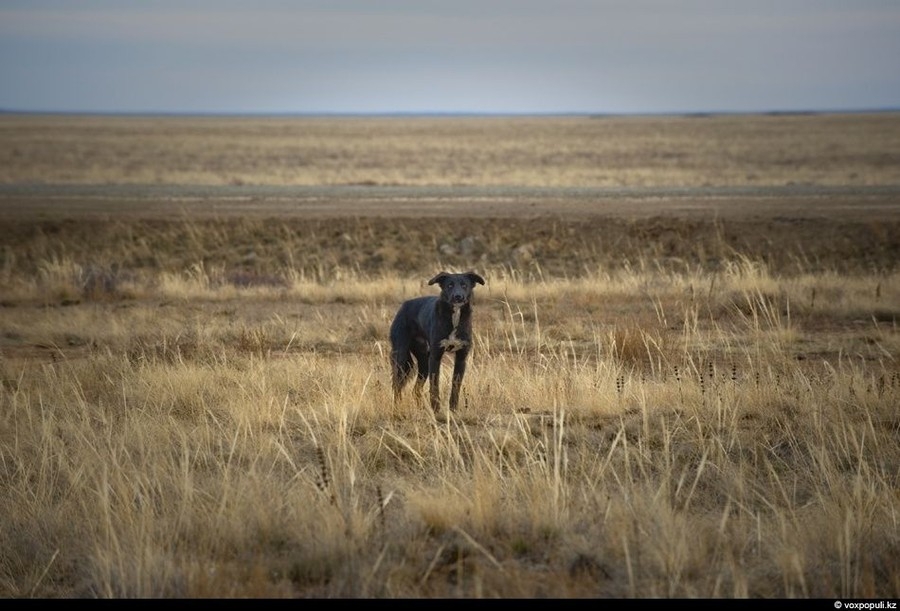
(428,327)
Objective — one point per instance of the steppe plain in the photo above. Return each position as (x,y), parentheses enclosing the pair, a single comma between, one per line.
(684,383)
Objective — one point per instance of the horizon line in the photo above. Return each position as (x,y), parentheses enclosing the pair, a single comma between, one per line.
(440,113)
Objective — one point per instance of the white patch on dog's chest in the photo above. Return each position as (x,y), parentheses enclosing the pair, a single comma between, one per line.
(452,343)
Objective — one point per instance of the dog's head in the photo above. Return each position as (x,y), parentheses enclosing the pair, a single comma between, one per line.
(456,289)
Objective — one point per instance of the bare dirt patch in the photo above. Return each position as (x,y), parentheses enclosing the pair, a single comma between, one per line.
(873,203)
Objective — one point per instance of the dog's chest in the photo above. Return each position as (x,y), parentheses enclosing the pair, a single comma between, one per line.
(452,343)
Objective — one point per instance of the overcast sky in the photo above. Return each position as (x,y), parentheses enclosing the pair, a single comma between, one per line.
(377,56)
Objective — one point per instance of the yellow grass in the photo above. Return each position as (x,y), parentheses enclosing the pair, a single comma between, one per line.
(221,442)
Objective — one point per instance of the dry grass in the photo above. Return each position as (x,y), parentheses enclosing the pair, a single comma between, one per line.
(203,409)
(621,436)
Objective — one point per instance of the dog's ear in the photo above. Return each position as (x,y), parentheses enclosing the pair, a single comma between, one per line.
(475,277)
(439,278)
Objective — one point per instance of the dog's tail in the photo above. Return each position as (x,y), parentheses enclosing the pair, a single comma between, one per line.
(401,369)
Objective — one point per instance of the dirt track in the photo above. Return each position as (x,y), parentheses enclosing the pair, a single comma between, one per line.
(56,202)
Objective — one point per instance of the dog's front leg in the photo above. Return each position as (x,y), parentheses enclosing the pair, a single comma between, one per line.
(434,377)
(459,369)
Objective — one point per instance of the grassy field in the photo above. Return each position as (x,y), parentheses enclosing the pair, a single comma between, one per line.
(663,406)
(600,151)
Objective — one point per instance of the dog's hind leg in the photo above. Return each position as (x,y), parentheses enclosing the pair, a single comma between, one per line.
(421,373)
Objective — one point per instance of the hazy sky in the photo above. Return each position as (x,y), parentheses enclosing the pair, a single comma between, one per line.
(605,56)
